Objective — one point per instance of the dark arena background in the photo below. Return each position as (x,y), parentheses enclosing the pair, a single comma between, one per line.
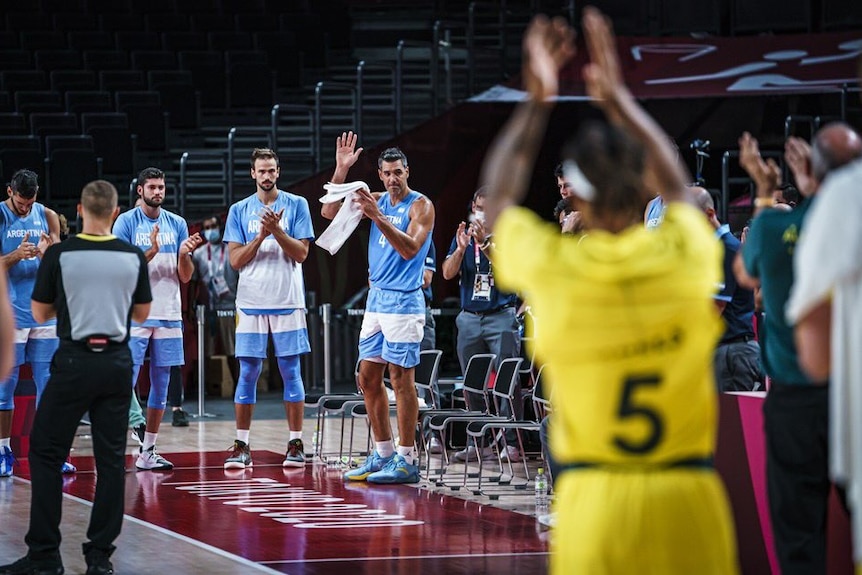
(105,88)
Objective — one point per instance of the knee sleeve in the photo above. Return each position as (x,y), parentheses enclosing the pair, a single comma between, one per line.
(136,370)
(7,391)
(175,387)
(41,374)
(294,391)
(159,378)
(246,387)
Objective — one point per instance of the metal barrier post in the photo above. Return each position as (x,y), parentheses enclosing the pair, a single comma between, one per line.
(326,314)
(200,316)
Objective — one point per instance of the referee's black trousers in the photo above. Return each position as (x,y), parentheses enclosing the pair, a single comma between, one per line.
(796,419)
(81,381)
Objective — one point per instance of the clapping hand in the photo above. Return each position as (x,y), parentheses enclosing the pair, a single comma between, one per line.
(27,249)
(547,46)
(270,221)
(766,174)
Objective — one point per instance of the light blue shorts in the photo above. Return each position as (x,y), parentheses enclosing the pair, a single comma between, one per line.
(289,333)
(35,344)
(393,327)
(165,343)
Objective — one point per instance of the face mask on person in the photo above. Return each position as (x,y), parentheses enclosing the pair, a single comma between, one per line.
(212,235)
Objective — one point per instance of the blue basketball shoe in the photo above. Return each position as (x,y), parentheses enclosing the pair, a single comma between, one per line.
(6,462)
(397,470)
(373,464)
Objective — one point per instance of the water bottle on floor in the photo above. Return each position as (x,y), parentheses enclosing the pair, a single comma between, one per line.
(541,492)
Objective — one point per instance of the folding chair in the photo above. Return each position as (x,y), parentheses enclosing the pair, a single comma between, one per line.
(425,377)
(478,428)
(439,421)
(542,408)
(333,403)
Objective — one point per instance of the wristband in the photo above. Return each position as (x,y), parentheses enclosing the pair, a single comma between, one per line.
(764,202)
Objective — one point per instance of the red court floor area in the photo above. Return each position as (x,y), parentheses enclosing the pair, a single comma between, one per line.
(308,521)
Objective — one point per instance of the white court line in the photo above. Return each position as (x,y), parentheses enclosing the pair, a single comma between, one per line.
(220,552)
(399,557)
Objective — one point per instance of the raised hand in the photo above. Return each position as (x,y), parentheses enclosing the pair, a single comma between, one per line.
(346,152)
(766,175)
(603,77)
(797,152)
(547,46)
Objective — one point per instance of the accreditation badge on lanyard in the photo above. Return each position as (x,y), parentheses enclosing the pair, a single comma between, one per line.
(484,281)
(218,285)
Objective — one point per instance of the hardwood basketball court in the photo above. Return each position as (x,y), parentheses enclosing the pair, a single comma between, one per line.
(200,518)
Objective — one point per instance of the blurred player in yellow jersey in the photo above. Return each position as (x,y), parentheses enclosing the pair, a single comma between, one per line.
(626,325)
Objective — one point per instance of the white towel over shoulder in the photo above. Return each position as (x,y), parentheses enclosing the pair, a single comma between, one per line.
(347,218)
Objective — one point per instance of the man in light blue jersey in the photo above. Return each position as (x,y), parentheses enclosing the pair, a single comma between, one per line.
(393,326)
(27,229)
(268,234)
(164,238)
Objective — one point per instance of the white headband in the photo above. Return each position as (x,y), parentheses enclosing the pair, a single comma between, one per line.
(581,186)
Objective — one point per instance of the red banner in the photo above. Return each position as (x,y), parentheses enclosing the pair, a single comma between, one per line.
(688,67)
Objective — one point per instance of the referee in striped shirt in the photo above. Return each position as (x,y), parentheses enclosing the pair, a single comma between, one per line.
(95,284)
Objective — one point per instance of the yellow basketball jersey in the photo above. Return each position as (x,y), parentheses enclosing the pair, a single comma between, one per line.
(626,326)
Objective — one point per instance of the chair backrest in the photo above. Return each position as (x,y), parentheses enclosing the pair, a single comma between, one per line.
(123,98)
(89,101)
(13,124)
(156,78)
(27,102)
(356,375)
(506,382)
(541,397)
(153,60)
(179,40)
(90,40)
(14,80)
(476,376)
(64,142)
(528,352)
(22,142)
(122,80)
(116,146)
(53,123)
(94,119)
(147,122)
(57,59)
(425,377)
(16,158)
(69,170)
(106,60)
(71,80)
